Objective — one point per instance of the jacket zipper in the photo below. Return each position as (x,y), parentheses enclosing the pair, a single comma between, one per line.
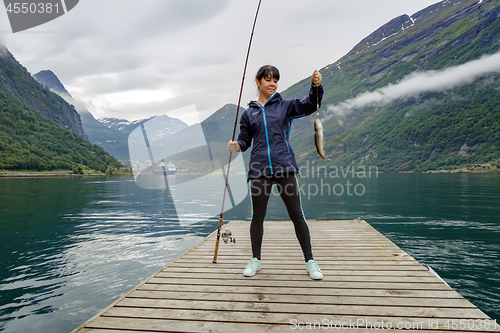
(267,135)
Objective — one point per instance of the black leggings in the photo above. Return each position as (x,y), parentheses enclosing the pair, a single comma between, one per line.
(288,188)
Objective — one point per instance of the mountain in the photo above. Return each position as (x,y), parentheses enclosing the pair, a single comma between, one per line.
(219,126)
(199,148)
(368,121)
(38,129)
(51,81)
(18,83)
(123,125)
(109,133)
(163,126)
(170,125)
(114,142)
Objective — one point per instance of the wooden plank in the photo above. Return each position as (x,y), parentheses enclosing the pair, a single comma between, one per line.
(207,324)
(180,325)
(348,246)
(303,299)
(220,289)
(367,266)
(318,255)
(300,271)
(304,284)
(280,319)
(300,308)
(104,330)
(273,259)
(268,274)
(367,277)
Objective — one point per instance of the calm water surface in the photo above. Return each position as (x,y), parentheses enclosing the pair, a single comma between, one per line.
(71,246)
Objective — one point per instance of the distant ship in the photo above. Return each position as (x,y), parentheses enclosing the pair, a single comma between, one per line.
(171,169)
(168,169)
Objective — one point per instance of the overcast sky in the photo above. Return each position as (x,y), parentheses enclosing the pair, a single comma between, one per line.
(134,59)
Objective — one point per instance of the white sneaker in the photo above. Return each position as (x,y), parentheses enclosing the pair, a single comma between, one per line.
(314,271)
(252,267)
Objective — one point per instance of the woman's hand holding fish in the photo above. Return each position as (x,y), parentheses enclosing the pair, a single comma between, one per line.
(316,78)
(233,146)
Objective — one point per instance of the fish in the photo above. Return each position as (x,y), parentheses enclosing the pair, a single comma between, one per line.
(319,139)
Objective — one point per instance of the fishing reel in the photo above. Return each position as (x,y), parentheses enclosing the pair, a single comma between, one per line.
(227,236)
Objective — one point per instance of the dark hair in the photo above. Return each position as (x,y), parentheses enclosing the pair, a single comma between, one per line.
(268,71)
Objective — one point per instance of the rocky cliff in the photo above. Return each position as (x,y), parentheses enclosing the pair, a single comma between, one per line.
(17,82)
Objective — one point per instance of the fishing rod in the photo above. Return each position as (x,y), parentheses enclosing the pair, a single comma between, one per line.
(321,53)
(221,218)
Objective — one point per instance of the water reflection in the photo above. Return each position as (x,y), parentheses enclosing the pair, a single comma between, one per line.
(78,245)
(69,247)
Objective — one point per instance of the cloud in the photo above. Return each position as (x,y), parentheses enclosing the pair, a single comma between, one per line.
(194,50)
(173,16)
(420,82)
(3,50)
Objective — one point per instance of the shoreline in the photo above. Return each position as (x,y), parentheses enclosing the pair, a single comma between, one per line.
(57,175)
(54,175)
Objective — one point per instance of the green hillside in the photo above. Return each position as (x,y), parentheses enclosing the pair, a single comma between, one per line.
(38,129)
(446,130)
(31,141)
(18,83)
(430,130)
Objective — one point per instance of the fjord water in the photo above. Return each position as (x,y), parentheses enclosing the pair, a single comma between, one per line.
(71,246)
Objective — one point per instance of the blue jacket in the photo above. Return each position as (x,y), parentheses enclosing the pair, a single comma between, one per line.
(269,128)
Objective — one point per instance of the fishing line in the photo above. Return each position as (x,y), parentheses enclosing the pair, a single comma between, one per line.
(234,134)
(321,52)
(319,139)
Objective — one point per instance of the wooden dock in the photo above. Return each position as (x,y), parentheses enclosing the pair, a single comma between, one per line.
(370,283)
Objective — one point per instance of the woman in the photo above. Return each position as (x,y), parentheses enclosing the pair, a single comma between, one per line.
(267,122)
